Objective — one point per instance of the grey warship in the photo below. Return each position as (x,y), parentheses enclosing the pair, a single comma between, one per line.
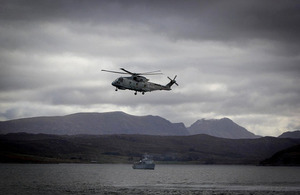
(145,163)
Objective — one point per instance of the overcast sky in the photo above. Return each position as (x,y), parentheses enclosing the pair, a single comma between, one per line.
(236,59)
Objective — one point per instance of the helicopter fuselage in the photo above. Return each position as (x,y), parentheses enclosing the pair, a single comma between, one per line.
(138,84)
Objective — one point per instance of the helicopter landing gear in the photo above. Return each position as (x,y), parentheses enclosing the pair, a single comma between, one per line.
(116,89)
(143,93)
(135,93)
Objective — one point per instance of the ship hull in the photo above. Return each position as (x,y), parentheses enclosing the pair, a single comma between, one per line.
(144,166)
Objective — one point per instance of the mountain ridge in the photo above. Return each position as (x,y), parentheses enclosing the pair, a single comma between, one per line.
(94,123)
(122,123)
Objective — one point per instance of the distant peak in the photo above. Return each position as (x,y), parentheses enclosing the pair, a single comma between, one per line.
(223,127)
(228,119)
(203,120)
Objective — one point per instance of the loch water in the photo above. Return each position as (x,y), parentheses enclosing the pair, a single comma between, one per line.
(165,179)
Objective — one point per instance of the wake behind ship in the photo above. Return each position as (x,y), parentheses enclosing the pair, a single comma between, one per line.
(145,163)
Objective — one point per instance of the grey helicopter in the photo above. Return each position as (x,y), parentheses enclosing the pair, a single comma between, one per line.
(139,83)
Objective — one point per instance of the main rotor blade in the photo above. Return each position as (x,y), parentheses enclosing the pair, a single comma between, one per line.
(128,71)
(114,72)
(150,73)
(156,72)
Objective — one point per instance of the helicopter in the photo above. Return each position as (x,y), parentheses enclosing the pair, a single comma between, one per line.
(139,83)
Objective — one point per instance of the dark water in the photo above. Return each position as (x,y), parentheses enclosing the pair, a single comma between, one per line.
(165,179)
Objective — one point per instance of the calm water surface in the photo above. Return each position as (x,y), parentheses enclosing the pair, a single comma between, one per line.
(165,179)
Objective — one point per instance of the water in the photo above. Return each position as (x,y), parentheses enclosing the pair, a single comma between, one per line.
(165,179)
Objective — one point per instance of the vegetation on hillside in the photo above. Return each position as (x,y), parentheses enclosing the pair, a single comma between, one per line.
(200,149)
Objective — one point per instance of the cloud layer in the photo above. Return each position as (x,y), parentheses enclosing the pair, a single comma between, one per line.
(236,59)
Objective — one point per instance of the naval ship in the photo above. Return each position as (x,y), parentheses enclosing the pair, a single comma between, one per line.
(145,163)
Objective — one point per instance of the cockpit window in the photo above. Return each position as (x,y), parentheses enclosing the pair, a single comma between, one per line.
(120,80)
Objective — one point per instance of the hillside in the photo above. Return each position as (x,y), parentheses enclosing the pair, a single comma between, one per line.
(291,134)
(96,124)
(200,149)
(224,128)
(287,157)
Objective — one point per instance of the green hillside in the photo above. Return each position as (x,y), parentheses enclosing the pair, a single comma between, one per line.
(200,149)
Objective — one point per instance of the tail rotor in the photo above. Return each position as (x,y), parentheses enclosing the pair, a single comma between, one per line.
(172,81)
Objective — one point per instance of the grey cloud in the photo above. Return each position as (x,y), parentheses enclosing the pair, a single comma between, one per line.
(232,58)
(211,19)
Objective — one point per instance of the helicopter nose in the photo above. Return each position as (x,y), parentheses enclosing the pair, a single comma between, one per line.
(114,83)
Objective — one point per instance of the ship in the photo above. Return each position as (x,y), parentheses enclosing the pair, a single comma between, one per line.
(145,163)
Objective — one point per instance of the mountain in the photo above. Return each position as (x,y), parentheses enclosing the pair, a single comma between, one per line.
(224,128)
(199,149)
(291,134)
(122,123)
(94,123)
